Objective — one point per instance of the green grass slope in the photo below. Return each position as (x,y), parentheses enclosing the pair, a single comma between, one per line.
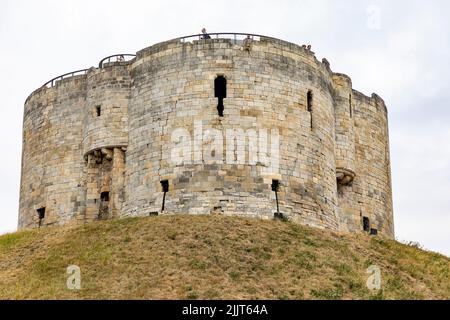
(213,257)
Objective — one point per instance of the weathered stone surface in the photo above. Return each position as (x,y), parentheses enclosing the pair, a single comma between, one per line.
(98,146)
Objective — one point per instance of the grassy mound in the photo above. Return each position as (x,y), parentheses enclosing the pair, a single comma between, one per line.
(213,257)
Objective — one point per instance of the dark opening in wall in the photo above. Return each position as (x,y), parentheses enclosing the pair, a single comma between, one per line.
(309,101)
(275,185)
(220,92)
(165,189)
(104,196)
(41,215)
(366,224)
(98,111)
(279,216)
(165,185)
(373,232)
(103,211)
(276,188)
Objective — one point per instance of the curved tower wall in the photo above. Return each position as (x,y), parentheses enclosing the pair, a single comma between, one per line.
(146,137)
(106,114)
(372,187)
(52,162)
(345,135)
(266,90)
(345,152)
(105,140)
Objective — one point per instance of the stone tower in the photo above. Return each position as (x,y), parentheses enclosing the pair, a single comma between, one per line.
(251,127)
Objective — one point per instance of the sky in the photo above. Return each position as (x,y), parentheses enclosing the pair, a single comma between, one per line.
(398,49)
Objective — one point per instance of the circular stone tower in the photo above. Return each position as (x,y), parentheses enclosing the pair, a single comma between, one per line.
(235,125)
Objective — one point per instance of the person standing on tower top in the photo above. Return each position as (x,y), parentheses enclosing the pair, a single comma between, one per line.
(205,34)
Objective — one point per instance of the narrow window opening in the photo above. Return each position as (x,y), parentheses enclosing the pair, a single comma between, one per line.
(165,185)
(275,185)
(165,189)
(366,224)
(41,215)
(276,188)
(98,111)
(220,92)
(309,102)
(373,232)
(104,196)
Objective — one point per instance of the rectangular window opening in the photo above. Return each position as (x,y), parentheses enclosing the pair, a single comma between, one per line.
(275,185)
(309,101)
(366,224)
(104,196)
(373,232)
(165,189)
(98,111)
(165,185)
(276,188)
(41,215)
(103,210)
(220,92)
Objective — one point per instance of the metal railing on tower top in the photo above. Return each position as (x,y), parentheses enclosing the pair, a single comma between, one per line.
(236,37)
(52,82)
(122,57)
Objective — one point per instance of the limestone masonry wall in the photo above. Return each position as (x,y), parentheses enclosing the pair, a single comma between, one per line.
(295,140)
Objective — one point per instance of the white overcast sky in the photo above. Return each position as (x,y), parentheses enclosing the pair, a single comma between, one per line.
(404,56)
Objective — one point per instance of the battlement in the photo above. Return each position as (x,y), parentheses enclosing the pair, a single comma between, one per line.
(238,124)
